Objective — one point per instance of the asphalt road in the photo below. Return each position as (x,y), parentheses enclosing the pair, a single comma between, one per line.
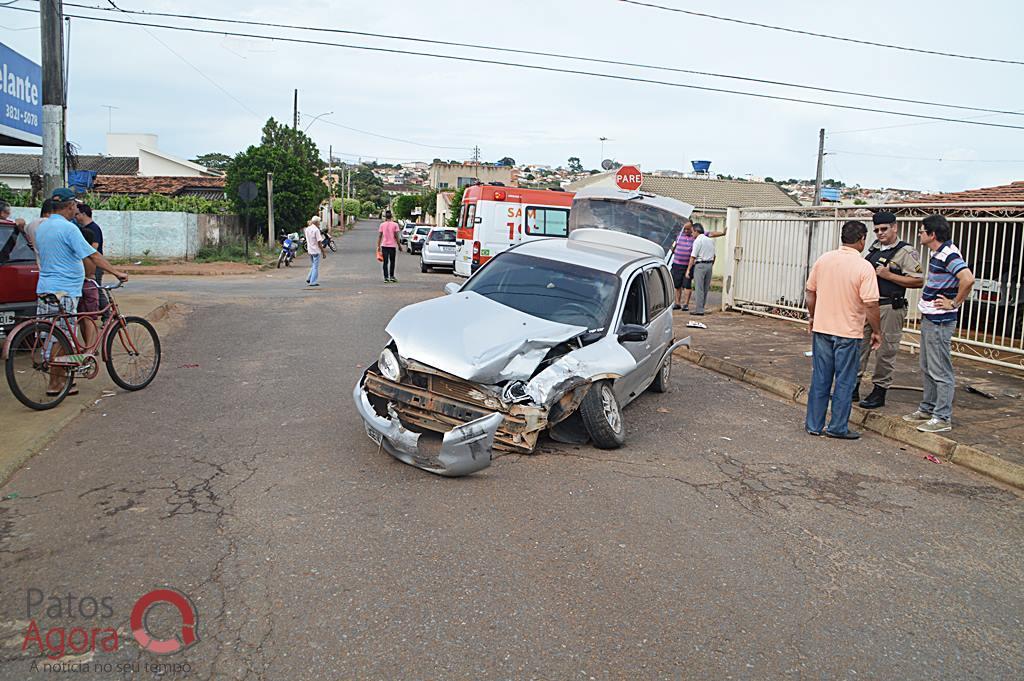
(721,542)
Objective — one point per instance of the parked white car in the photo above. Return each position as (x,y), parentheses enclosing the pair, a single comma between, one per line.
(438,249)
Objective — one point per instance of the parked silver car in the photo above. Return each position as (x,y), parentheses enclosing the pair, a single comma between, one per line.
(403,236)
(556,335)
(438,249)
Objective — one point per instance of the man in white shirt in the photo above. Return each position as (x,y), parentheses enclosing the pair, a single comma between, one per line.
(313,238)
(702,258)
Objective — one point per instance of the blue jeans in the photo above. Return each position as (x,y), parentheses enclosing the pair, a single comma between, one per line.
(836,358)
(314,271)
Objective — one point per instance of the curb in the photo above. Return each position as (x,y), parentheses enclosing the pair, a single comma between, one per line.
(888,426)
(172,273)
(11,465)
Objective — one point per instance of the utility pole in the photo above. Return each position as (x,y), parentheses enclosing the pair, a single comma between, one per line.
(476,154)
(51,19)
(330,186)
(270,209)
(821,158)
(295,112)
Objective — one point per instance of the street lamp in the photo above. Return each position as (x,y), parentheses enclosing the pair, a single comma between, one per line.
(603,140)
(315,119)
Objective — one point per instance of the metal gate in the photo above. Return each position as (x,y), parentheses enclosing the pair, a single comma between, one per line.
(772,250)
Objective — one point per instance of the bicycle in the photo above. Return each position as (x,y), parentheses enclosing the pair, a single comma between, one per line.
(43,355)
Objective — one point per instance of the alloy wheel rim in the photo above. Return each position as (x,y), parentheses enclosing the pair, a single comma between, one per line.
(611,409)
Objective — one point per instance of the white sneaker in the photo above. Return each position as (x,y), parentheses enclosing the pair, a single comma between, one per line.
(935,425)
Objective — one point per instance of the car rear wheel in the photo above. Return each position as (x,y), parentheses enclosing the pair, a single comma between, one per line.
(602,417)
(423,266)
(663,381)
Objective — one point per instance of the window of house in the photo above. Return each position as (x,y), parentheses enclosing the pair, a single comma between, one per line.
(466,181)
(547,221)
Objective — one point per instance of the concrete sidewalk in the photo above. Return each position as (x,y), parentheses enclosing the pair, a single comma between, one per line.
(26,432)
(987,435)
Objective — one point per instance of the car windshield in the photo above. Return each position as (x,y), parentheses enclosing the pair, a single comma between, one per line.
(552,290)
(13,246)
(652,223)
(442,235)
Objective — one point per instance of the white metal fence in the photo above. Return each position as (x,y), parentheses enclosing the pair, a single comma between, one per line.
(771,250)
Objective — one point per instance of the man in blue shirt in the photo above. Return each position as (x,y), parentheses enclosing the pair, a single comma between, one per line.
(947,287)
(61,249)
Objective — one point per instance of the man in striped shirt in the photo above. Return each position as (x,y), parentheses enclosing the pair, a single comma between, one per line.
(948,284)
(680,262)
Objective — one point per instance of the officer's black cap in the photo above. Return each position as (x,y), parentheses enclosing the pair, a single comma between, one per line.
(884,217)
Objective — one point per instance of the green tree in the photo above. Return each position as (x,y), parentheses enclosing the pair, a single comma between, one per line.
(295,162)
(507,161)
(769,179)
(429,202)
(368,188)
(456,208)
(214,160)
(402,206)
(575,165)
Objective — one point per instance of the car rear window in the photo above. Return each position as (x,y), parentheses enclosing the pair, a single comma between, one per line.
(555,291)
(422,230)
(14,247)
(652,223)
(442,235)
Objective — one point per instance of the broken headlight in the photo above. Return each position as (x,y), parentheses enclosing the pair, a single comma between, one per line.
(389,365)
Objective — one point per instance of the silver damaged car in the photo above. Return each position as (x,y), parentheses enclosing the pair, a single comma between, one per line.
(556,335)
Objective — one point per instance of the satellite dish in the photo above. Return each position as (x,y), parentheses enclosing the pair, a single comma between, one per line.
(609,164)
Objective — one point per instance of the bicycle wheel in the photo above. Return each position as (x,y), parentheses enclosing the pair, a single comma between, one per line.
(132,353)
(33,381)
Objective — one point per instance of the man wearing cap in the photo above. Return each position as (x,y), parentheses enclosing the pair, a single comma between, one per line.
(898,267)
(61,248)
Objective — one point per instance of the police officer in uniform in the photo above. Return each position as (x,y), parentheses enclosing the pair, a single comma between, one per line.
(898,267)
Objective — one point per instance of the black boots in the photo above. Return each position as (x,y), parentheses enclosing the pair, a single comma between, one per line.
(875,400)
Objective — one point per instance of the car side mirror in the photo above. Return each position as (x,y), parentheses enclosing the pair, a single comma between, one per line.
(452,287)
(632,333)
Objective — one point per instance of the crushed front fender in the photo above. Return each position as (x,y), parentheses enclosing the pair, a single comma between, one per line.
(465,449)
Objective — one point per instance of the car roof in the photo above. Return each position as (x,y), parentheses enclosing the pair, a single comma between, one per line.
(586,254)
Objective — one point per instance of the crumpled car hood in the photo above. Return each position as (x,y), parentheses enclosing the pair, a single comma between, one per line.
(475,338)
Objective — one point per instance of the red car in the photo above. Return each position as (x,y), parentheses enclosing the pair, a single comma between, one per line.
(18,276)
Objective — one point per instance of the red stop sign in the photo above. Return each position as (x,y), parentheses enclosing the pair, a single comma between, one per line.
(629,178)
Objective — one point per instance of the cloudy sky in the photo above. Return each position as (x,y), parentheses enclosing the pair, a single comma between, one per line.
(213,92)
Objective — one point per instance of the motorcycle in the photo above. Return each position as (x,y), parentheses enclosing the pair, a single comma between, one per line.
(289,247)
(329,242)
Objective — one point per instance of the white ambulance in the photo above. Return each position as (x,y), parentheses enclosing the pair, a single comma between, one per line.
(495,218)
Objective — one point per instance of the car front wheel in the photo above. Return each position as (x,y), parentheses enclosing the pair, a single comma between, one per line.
(602,417)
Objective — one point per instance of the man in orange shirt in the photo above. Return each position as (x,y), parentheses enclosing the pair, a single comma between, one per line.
(842,292)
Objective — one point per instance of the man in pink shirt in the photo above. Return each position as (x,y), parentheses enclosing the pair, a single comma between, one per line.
(312,233)
(387,244)
(842,292)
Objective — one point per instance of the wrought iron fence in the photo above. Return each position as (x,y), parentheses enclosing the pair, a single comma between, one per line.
(772,250)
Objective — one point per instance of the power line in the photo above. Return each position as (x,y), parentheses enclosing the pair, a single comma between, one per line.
(921,158)
(393,139)
(182,58)
(550,69)
(556,55)
(823,35)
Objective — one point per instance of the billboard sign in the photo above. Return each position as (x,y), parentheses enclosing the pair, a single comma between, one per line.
(21,100)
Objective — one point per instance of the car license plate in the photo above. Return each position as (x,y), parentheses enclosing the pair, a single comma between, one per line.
(6,317)
(447,248)
(373,434)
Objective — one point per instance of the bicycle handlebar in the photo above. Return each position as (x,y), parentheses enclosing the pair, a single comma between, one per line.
(111,287)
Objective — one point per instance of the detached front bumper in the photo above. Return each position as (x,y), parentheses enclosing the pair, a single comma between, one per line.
(465,449)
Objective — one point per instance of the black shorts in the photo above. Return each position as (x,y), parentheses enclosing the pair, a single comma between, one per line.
(679,278)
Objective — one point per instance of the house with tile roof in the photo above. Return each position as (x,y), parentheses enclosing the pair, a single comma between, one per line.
(128,154)
(999,194)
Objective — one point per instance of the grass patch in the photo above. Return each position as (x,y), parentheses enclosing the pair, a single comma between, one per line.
(235,252)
